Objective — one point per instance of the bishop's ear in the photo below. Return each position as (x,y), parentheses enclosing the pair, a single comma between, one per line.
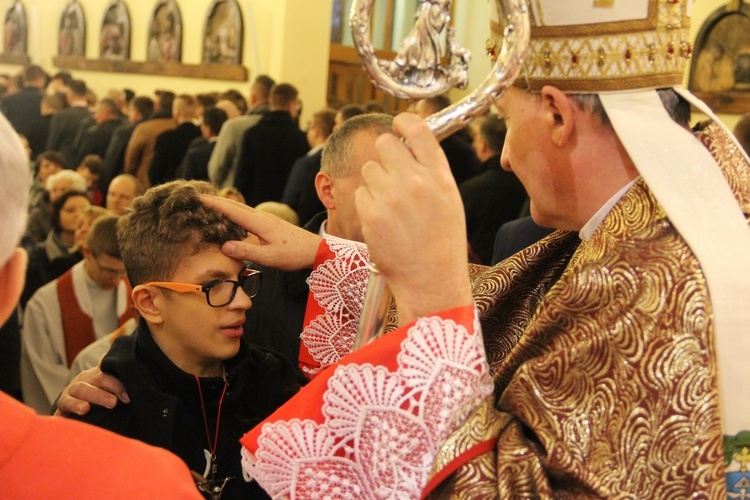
(559,113)
(148,300)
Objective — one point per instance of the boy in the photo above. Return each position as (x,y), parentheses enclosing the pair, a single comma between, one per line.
(194,383)
(42,457)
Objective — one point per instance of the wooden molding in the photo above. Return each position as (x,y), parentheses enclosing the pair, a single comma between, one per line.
(21,59)
(734,102)
(230,72)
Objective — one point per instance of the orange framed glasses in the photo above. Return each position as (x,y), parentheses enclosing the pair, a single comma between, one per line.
(220,292)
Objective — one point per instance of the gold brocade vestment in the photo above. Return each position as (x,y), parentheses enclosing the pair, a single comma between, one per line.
(610,388)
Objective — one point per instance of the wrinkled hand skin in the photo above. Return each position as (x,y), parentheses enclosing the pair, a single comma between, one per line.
(413,221)
(273,242)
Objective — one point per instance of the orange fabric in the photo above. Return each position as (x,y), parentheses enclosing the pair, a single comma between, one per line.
(47,457)
(78,327)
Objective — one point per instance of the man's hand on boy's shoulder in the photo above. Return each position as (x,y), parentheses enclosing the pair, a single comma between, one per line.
(273,243)
(89,387)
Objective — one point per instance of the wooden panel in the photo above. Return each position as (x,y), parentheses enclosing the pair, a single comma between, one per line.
(230,72)
(349,83)
(21,59)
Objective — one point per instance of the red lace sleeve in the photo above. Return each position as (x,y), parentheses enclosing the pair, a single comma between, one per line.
(372,424)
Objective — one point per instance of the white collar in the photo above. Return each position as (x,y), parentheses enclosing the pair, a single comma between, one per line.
(315,149)
(587,231)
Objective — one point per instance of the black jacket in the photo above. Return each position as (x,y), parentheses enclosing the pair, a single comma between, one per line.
(169,150)
(63,132)
(278,312)
(23,108)
(165,407)
(267,152)
(491,199)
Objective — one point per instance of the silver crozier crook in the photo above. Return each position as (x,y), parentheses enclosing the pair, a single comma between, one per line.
(417,73)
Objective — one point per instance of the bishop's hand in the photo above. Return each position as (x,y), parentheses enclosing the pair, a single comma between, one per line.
(413,221)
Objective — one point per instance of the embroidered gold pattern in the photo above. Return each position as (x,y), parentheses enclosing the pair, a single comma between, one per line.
(610,56)
(616,374)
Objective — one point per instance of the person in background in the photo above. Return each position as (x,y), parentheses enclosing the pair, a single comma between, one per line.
(140,150)
(39,129)
(269,148)
(87,302)
(91,168)
(195,163)
(122,191)
(493,196)
(457,147)
(140,109)
(299,192)
(23,107)
(46,256)
(222,165)
(46,164)
(65,124)
(171,145)
(56,185)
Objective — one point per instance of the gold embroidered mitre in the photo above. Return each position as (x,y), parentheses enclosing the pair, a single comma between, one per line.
(591,46)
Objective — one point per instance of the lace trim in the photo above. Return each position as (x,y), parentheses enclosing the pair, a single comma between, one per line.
(338,286)
(382,430)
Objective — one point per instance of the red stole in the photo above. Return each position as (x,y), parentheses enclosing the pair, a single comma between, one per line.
(78,327)
(307,363)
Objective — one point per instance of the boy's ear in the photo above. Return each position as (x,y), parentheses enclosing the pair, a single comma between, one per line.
(144,301)
(559,113)
(323,186)
(12,276)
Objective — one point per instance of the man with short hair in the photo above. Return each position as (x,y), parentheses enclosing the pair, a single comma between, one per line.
(39,128)
(461,157)
(122,191)
(96,138)
(277,321)
(87,302)
(269,149)
(492,197)
(23,107)
(195,163)
(299,192)
(170,146)
(65,125)
(223,163)
(140,151)
(140,109)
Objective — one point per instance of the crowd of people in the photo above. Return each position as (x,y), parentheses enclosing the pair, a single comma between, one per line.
(222,286)
(90,159)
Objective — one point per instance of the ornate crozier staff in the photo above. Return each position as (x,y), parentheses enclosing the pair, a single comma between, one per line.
(417,73)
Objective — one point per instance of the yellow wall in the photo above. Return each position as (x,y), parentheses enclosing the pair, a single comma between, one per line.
(287,39)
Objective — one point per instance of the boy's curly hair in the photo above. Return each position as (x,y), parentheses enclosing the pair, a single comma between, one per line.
(167,224)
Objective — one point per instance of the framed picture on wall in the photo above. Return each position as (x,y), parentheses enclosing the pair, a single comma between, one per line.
(15,30)
(114,39)
(223,33)
(720,71)
(72,37)
(165,33)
